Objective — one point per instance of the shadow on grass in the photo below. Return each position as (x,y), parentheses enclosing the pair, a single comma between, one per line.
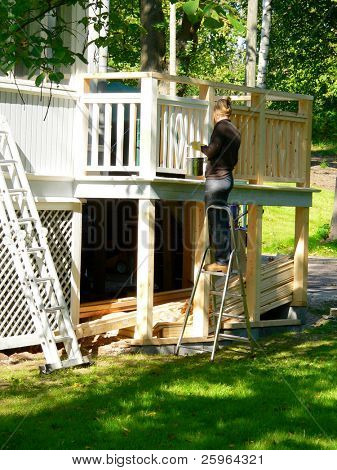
(139,402)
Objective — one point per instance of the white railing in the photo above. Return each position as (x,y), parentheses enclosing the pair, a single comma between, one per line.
(180,122)
(113,132)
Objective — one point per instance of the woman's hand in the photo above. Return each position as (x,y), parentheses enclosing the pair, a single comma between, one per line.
(196,145)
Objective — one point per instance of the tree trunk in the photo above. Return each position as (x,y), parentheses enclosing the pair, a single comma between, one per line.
(251,42)
(264,44)
(153,46)
(333,225)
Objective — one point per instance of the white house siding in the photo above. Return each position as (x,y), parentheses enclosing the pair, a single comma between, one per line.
(45,139)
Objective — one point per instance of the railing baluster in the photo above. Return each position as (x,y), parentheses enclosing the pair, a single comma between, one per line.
(132,134)
(107,134)
(94,134)
(120,134)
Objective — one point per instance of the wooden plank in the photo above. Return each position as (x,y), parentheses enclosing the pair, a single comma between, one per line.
(104,325)
(132,134)
(301,256)
(259,104)
(194,81)
(91,309)
(305,107)
(254,251)
(145,268)
(187,279)
(201,299)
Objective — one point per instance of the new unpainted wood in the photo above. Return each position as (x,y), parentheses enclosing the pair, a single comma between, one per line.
(254,251)
(201,299)
(301,256)
(145,268)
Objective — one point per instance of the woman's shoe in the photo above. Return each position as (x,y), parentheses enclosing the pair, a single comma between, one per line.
(214,267)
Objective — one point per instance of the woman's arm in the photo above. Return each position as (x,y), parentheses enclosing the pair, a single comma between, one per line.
(213,149)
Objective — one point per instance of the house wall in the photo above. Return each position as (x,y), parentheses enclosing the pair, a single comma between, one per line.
(44,136)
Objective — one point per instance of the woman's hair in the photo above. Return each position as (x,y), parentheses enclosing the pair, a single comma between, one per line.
(223,108)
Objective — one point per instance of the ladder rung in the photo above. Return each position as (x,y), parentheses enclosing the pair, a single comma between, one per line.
(234,338)
(25,220)
(7,162)
(43,279)
(17,191)
(35,250)
(62,339)
(52,309)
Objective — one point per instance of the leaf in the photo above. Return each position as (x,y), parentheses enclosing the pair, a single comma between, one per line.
(212,23)
(56,77)
(191,7)
(237,25)
(39,79)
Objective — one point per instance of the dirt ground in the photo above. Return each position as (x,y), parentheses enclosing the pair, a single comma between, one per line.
(324,178)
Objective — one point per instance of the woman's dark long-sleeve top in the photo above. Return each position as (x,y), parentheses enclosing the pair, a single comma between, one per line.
(223,149)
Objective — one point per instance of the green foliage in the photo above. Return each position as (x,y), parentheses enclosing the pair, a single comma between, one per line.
(302,57)
(43,48)
(324,164)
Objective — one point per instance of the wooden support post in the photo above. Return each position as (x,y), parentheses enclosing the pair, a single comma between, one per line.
(253,271)
(207,93)
(301,256)
(187,245)
(145,269)
(148,128)
(305,107)
(201,299)
(76,249)
(258,104)
(302,213)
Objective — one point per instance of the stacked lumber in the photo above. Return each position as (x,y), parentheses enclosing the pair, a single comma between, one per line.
(128,304)
(277,279)
(111,322)
(170,329)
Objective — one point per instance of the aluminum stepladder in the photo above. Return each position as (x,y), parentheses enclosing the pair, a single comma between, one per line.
(27,243)
(221,314)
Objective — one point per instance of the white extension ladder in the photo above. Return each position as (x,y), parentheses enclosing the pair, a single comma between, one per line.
(26,241)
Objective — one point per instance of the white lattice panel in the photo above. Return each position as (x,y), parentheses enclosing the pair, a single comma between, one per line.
(15,318)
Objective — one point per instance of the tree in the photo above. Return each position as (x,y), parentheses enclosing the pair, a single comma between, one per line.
(153,45)
(264,44)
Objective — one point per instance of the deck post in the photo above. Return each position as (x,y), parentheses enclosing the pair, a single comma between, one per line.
(187,244)
(148,128)
(302,214)
(207,93)
(305,107)
(76,248)
(301,256)
(201,299)
(253,270)
(145,269)
(258,104)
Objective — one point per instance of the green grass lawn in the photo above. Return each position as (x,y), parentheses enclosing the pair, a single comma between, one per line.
(285,398)
(279,227)
(324,148)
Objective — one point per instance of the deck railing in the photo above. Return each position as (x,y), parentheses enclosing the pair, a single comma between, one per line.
(149,132)
(113,132)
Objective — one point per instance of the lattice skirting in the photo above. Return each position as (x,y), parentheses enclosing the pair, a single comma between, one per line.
(16,323)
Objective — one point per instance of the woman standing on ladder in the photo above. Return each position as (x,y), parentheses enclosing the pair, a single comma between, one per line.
(222,156)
